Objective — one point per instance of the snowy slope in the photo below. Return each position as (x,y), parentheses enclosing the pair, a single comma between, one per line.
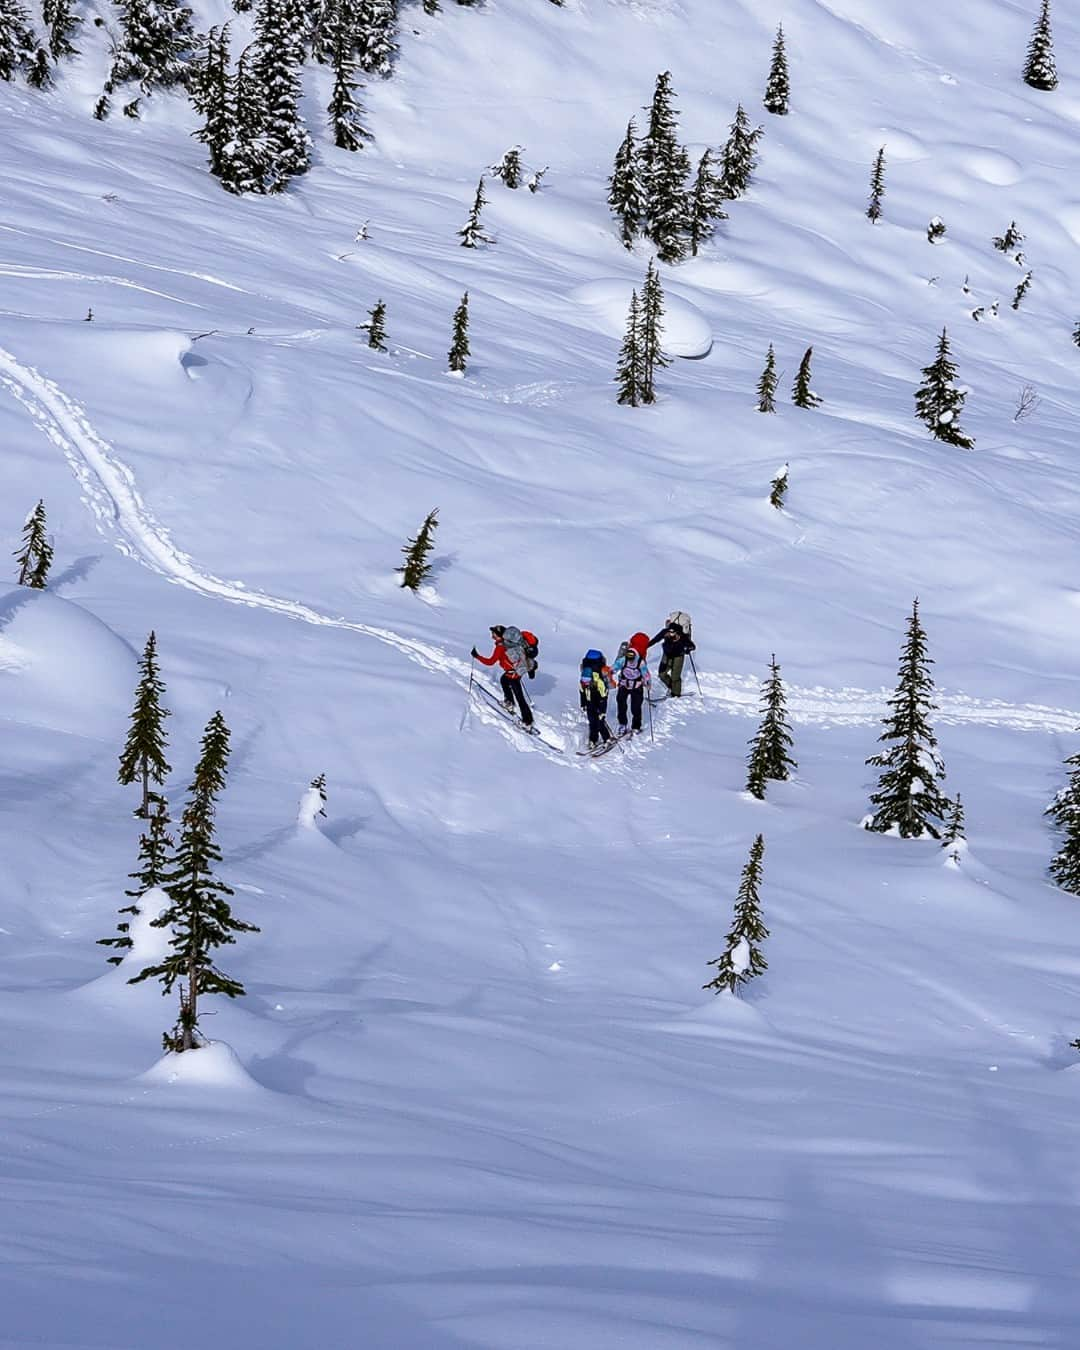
(476,1096)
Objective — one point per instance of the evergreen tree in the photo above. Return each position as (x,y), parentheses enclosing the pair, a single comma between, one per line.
(18,42)
(143,756)
(953,835)
(279,37)
(1076,333)
(740,157)
(704,207)
(629,374)
(39,73)
(802,395)
(432,7)
(935,230)
(154,845)
(319,784)
(877,187)
(61,23)
(376,326)
(766,385)
(471,233)
(198,914)
(1039,69)
(742,959)
(247,165)
(940,400)
(156,41)
(1064,810)
(779,487)
(212,93)
(344,109)
(909,800)
(625,196)
(375,36)
(1010,240)
(459,342)
(769,756)
(416,569)
(1021,290)
(664,166)
(103,106)
(652,324)
(509,167)
(36,554)
(777,87)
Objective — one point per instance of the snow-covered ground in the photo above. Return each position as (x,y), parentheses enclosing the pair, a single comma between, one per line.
(476,1096)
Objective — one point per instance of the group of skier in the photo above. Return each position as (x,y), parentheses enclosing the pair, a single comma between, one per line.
(516,653)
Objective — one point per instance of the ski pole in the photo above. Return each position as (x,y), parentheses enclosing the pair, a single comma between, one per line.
(648,700)
(694,669)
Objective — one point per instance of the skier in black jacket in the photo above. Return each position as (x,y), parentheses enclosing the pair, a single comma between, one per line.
(677,646)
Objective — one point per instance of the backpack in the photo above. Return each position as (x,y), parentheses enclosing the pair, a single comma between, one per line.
(531,643)
(680,617)
(513,640)
(592,664)
(632,672)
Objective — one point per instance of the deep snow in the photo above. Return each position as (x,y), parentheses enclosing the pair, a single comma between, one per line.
(476,1095)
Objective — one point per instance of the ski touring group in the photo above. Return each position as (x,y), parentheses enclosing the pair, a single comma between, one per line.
(516,653)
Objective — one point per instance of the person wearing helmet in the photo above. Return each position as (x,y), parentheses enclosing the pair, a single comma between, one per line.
(595,685)
(632,675)
(509,655)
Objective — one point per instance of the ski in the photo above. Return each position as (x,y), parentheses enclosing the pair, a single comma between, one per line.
(596,752)
(496,705)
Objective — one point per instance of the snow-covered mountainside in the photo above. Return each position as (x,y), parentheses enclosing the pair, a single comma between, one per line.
(476,1095)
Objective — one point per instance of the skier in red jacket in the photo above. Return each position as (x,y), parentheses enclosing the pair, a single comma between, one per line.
(513,665)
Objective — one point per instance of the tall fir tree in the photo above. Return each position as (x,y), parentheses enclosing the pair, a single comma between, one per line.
(142,759)
(248,161)
(376,326)
(704,204)
(664,166)
(18,42)
(154,845)
(212,92)
(376,36)
(802,393)
(279,35)
(157,41)
(1064,810)
(939,400)
(778,87)
(34,557)
(625,196)
(766,385)
(740,157)
(471,233)
(62,23)
(416,568)
(652,327)
(908,800)
(1039,68)
(628,372)
(198,914)
(459,352)
(877,188)
(345,111)
(769,757)
(743,959)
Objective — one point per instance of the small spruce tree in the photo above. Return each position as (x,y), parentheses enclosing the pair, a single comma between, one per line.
(471,232)
(1064,810)
(416,569)
(319,784)
(908,800)
(777,87)
(154,845)
(766,385)
(143,759)
(1009,241)
(935,230)
(35,556)
(376,326)
(1076,334)
(628,372)
(625,197)
(459,341)
(769,748)
(779,487)
(743,959)
(652,326)
(740,157)
(877,188)
(704,207)
(1021,290)
(198,914)
(1039,69)
(953,835)
(802,394)
(509,167)
(939,400)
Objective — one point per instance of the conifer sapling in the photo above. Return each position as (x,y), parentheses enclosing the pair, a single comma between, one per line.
(769,757)
(939,400)
(766,385)
(1064,810)
(935,230)
(1040,71)
(376,326)
(777,87)
(629,374)
(877,187)
(459,342)
(471,232)
(743,958)
(509,167)
(154,845)
(802,393)
(1010,240)
(1021,290)
(416,568)
(953,836)
(142,759)
(34,557)
(778,488)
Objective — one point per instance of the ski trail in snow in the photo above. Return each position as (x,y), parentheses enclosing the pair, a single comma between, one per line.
(110,491)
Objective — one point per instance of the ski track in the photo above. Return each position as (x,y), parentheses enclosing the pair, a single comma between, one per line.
(111,493)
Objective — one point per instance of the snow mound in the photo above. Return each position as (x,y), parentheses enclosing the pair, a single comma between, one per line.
(61,667)
(686,331)
(214,1065)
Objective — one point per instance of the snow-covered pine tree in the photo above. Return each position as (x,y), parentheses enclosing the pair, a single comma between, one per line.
(35,555)
(345,110)
(376,326)
(199,913)
(1010,240)
(1021,290)
(142,759)
(279,37)
(1039,68)
(664,166)
(743,959)
(39,73)
(459,341)
(509,167)
(102,107)
(1064,810)
(536,178)
(704,207)
(652,327)
(777,87)
(212,93)
(769,748)
(877,188)
(375,35)
(909,800)
(18,42)
(61,23)
(156,42)
(432,7)
(778,488)
(416,569)
(740,157)
(766,385)
(935,230)
(1076,334)
(318,784)
(953,835)
(471,233)
(154,845)
(628,371)
(625,196)
(939,400)
(802,393)
(247,162)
